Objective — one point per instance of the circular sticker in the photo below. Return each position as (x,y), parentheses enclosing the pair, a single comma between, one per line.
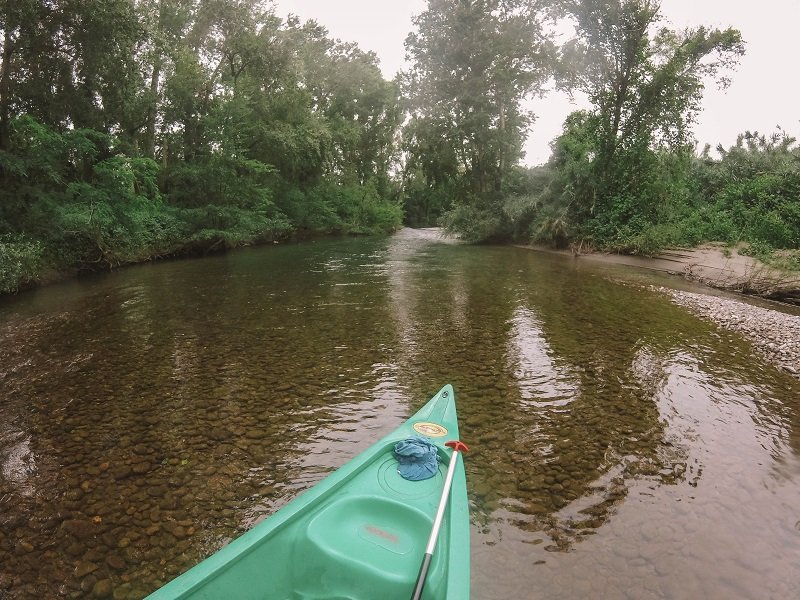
(430,429)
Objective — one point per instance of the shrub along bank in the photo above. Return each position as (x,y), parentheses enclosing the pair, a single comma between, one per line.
(748,197)
(74,201)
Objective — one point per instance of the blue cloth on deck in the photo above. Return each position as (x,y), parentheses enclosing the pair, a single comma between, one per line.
(417,457)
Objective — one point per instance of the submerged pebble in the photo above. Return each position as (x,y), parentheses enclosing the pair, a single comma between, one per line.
(775,334)
(209,400)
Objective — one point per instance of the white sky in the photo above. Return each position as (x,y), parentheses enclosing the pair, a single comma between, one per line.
(765,91)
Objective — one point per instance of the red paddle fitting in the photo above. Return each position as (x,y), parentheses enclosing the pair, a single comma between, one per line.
(457,445)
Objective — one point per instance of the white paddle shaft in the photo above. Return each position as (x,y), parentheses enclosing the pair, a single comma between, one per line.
(437,522)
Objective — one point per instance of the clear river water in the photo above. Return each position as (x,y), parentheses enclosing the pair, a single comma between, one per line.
(621,447)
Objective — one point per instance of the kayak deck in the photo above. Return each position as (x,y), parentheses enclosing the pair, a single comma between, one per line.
(359,543)
(357,535)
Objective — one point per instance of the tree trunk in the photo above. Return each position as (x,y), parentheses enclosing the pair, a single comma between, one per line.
(189,137)
(498,182)
(150,132)
(5,90)
(164,151)
(620,89)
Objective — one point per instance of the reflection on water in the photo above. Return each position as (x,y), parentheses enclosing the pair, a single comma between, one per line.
(538,376)
(18,465)
(621,447)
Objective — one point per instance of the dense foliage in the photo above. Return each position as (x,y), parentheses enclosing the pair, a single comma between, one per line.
(620,166)
(624,175)
(473,64)
(748,197)
(133,129)
(751,194)
(137,129)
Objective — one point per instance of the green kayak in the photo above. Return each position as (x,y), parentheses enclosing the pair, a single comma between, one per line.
(359,534)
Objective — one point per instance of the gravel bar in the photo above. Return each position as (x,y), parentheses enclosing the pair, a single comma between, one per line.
(775,334)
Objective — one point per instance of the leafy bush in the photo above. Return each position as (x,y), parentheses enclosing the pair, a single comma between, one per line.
(219,180)
(752,194)
(313,210)
(117,216)
(219,227)
(754,189)
(21,262)
(333,207)
(474,224)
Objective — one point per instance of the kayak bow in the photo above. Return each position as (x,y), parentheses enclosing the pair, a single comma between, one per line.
(358,534)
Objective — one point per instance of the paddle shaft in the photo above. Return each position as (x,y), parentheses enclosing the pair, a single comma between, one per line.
(437,522)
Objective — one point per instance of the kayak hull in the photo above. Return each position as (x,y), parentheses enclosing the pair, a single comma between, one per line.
(358,534)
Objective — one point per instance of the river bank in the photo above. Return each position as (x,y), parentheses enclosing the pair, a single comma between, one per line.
(716,266)
(19,273)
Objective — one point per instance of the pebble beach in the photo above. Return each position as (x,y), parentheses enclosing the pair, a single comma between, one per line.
(775,334)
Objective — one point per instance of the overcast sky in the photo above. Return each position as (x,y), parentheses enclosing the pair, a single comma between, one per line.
(765,91)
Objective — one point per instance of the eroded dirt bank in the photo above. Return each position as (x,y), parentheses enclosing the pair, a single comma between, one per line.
(715,266)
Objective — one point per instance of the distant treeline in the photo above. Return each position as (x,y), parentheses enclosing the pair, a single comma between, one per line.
(132,129)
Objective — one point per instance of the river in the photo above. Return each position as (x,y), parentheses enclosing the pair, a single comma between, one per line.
(621,448)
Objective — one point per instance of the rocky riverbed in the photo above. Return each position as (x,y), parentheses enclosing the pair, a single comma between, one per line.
(775,334)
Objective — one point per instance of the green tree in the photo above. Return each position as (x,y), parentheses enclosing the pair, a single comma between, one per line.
(69,64)
(645,84)
(131,129)
(473,63)
(364,113)
(16,22)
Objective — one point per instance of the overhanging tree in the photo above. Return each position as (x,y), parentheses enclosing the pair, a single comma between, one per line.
(135,128)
